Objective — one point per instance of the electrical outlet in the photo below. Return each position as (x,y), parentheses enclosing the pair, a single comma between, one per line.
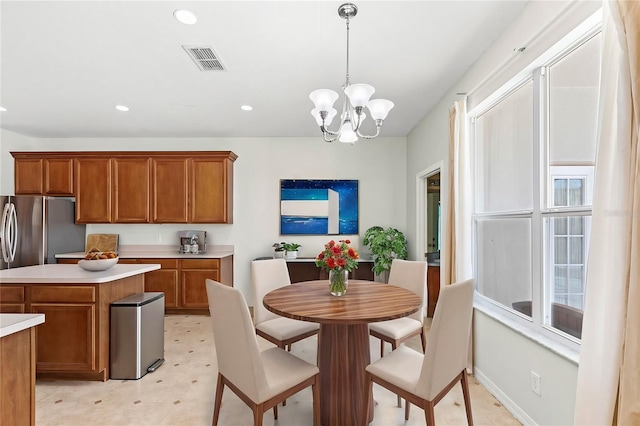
(158,238)
(535,382)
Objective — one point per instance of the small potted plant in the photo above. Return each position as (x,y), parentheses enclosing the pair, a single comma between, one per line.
(291,250)
(385,245)
(278,250)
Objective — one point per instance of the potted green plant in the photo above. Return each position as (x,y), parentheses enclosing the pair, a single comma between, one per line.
(278,250)
(385,245)
(291,250)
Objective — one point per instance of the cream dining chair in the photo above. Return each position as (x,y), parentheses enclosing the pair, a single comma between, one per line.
(424,380)
(411,275)
(268,275)
(261,379)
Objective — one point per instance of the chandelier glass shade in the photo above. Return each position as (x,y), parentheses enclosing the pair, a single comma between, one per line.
(356,98)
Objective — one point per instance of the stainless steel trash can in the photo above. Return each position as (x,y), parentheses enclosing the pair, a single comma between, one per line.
(137,335)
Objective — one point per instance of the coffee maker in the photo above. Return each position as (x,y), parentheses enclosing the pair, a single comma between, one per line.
(193,242)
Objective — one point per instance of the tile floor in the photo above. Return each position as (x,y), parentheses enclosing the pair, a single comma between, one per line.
(181,392)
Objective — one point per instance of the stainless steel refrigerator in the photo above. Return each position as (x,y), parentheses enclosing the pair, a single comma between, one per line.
(34,229)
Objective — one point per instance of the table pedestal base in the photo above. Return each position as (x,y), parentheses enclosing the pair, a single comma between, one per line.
(343,355)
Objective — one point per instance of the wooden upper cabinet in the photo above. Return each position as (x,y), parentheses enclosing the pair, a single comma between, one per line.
(210,190)
(93,190)
(58,176)
(169,182)
(134,187)
(44,176)
(131,190)
(28,176)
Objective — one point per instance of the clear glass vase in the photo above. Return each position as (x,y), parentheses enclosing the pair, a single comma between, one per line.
(338,282)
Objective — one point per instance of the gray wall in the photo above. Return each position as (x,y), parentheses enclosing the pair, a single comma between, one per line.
(378,165)
(503,358)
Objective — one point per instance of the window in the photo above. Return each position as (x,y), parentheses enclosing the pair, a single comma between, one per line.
(534,158)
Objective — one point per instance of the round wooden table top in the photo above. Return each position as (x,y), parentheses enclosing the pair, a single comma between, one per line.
(365,302)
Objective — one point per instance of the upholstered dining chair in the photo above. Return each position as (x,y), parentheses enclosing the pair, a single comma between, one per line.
(268,275)
(261,379)
(424,380)
(411,275)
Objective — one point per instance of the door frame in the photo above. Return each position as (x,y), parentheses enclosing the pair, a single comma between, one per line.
(421,211)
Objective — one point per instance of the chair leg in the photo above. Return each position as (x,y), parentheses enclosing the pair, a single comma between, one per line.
(218,400)
(275,411)
(394,345)
(429,414)
(368,390)
(283,347)
(381,348)
(258,414)
(315,390)
(467,400)
(407,406)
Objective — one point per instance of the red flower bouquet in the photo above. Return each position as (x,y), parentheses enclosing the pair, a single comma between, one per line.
(338,257)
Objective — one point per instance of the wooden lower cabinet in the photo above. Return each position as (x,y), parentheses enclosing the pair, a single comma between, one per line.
(73,342)
(433,288)
(306,270)
(12,299)
(77,323)
(181,280)
(194,273)
(18,379)
(164,280)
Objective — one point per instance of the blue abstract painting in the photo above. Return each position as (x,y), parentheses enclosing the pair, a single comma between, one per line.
(318,207)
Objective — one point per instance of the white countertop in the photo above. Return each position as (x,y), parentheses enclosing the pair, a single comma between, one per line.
(70,274)
(12,323)
(159,252)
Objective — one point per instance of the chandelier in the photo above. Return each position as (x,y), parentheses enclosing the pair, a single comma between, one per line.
(355,99)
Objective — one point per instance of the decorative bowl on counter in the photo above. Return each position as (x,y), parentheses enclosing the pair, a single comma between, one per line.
(98,264)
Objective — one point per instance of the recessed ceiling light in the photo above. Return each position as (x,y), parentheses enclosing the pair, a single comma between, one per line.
(3,109)
(185,16)
(122,108)
(246,107)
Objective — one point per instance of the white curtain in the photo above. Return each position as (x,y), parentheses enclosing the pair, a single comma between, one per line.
(457,264)
(608,390)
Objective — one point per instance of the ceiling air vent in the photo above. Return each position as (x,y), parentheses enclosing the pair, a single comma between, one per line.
(205,58)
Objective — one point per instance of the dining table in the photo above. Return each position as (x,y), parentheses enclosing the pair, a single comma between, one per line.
(343,339)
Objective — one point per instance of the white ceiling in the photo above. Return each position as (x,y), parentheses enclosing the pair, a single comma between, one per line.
(64,65)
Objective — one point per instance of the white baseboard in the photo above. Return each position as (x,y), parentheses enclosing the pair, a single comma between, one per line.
(507,402)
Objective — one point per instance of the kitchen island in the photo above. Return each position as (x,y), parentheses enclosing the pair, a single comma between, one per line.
(73,343)
(18,360)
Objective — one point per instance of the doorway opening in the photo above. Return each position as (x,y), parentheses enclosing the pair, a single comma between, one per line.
(429,213)
(429,225)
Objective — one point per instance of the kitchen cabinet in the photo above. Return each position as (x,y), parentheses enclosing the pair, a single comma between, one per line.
(182,280)
(193,293)
(28,176)
(93,190)
(134,186)
(12,299)
(131,190)
(18,379)
(169,181)
(166,280)
(44,176)
(211,190)
(433,288)
(73,342)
